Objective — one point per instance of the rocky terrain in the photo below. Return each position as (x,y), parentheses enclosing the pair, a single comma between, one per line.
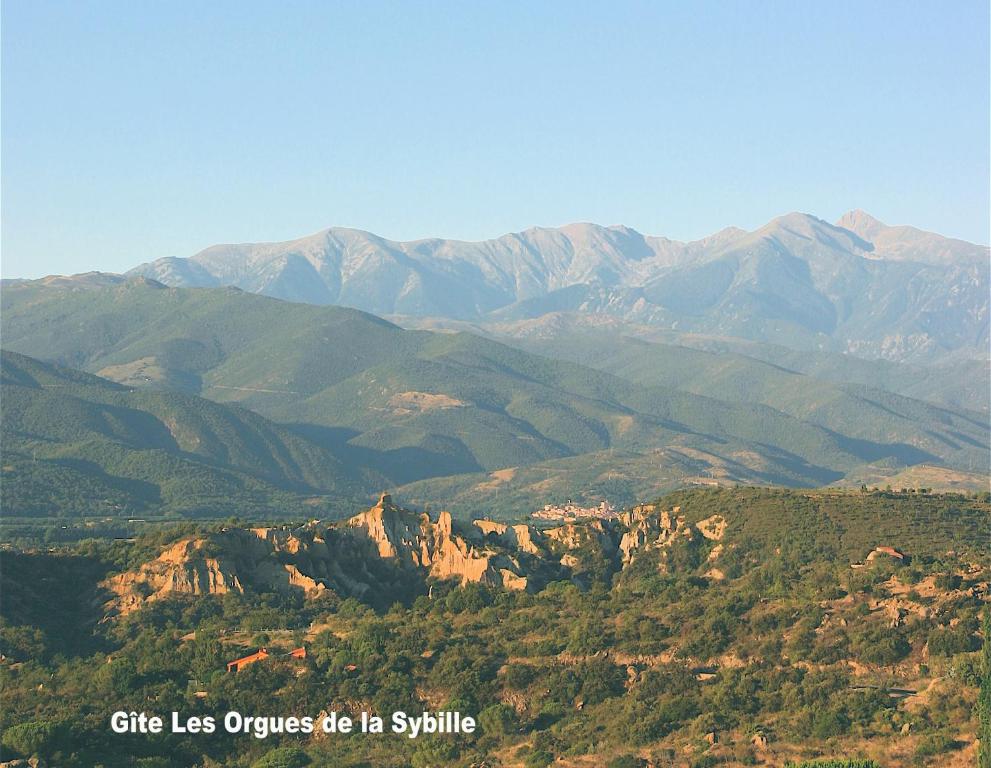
(857,286)
(725,626)
(348,557)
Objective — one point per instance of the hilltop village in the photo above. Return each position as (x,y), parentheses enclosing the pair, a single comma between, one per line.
(571,511)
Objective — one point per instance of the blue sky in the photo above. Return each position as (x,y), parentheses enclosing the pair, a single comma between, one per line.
(132,131)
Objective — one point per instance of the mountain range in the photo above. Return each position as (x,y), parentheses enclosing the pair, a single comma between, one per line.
(267,400)
(856,286)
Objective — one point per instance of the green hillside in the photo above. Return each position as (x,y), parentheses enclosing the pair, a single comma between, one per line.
(413,405)
(845,525)
(78,444)
(853,409)
(688,361)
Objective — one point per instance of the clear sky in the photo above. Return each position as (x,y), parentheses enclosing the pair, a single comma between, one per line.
(135,130)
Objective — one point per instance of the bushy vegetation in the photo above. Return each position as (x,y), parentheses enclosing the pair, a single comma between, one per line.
(650,661)
(835,764)
(984,697)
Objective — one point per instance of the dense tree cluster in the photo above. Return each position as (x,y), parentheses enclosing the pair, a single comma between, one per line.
(654,661)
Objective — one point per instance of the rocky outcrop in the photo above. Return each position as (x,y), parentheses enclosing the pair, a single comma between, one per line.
(394,534)
(186,567)
(442,548)
(228,561)
(648,528)
(316,558)
(597,533)
(645,527)
(31,762)
(386,547)
(713,528)
(522,538)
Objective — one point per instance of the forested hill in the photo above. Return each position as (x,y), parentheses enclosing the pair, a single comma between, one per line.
(468,415)
(708,628)
(79,445)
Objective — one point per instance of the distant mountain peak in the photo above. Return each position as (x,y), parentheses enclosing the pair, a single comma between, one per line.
(804,223)
(861,222)
(905,243)
(797,280)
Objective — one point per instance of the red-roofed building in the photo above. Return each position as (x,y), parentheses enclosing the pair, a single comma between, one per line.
(889,551)
(238,664)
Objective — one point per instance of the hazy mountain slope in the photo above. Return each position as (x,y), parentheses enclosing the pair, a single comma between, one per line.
(850,409)
(373,383)
(958,384)
(516,409)
(341,368)
(728,368)
(797,281)
(910,244)
(104,447)
(451,278)
(415,405)
(802,283)
(154,332)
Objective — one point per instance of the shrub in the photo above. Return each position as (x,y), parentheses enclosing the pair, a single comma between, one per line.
(626,761)
(705,761)
(519,676)
(431,753)
(935,744)
(539,759)
(948,581)
(586,637)
(831,722)
(949,641)
(497,720)
(283,757)
(33,738)
(881,645)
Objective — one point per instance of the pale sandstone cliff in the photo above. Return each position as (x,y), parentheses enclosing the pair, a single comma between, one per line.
(340,557)
(444,550)
(647,529)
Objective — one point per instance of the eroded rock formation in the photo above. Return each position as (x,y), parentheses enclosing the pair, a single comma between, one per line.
(386,545)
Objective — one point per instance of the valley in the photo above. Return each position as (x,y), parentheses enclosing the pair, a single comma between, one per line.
(346,404)
(639,503)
